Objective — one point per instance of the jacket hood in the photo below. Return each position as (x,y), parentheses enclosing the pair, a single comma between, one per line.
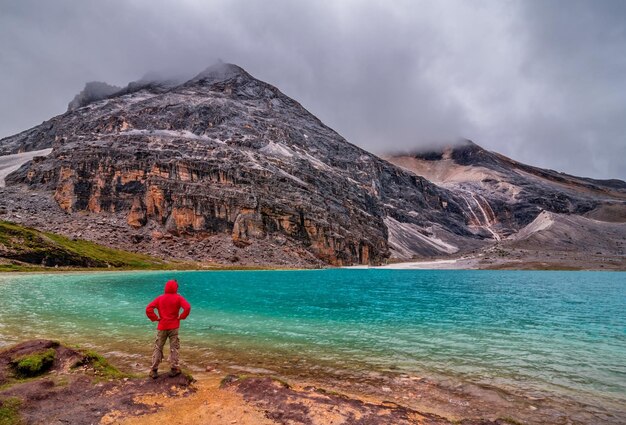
(171,287)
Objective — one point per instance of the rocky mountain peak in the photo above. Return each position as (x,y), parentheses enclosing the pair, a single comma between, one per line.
(96,90)
(463,152)
(220,72)
(227,155)
(93,91)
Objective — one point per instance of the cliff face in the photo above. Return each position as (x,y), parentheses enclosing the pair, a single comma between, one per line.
(503,196)
(226,153)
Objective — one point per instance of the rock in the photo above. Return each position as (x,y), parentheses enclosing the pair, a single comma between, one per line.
(500,196)
(226,154)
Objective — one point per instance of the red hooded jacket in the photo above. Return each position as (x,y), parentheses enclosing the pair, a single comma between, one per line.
(169,305)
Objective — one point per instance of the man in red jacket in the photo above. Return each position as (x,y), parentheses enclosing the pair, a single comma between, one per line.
(168,305)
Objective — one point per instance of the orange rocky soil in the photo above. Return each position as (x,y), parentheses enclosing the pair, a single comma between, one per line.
(266,400)
(44,382)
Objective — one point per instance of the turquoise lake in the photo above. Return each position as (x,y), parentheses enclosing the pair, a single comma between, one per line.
(558,332)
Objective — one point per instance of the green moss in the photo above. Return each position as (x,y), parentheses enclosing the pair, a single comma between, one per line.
(101,366)
(34,364)
(9,411)
(188,376)
(20,268)
(107,256)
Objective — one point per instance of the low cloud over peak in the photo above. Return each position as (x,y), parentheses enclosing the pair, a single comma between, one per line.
(520,77)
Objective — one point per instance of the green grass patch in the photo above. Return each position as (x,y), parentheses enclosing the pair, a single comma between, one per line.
(20,268)
(188,376)
(108,256)
(32,250)
(34,364)
(101,366)
(10,411)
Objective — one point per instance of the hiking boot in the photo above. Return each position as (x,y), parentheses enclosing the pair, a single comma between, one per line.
(174,372)
(154,374)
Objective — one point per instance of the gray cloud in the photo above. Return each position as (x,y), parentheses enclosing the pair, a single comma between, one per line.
(541,81)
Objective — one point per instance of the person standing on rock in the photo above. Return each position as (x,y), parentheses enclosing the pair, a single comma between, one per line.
(168,306)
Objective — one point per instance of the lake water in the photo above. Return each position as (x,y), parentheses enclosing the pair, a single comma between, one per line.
(562,333)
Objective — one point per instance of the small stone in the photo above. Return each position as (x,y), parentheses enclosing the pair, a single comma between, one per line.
(386,389)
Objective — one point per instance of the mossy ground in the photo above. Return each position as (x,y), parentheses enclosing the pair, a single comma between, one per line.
(79,384)
(34,364)
(101,366)
(9,411)
(33,250)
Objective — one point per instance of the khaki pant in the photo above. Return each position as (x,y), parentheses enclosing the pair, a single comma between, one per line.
(159,342)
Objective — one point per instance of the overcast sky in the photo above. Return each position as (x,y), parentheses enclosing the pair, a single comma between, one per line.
(543,81)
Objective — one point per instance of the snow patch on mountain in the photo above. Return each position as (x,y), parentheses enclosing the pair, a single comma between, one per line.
(10,163)
(543,221)
(277,149)
(407,240)
(181,134)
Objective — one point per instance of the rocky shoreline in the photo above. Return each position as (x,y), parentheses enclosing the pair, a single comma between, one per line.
(81,387)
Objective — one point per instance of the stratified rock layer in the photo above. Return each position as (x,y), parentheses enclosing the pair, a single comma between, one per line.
(227,153)
(529,208)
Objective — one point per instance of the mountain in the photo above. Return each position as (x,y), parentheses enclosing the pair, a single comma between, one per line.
(526,207)
(225,168)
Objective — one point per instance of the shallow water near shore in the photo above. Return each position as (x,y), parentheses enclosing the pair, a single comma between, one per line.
(556,334)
